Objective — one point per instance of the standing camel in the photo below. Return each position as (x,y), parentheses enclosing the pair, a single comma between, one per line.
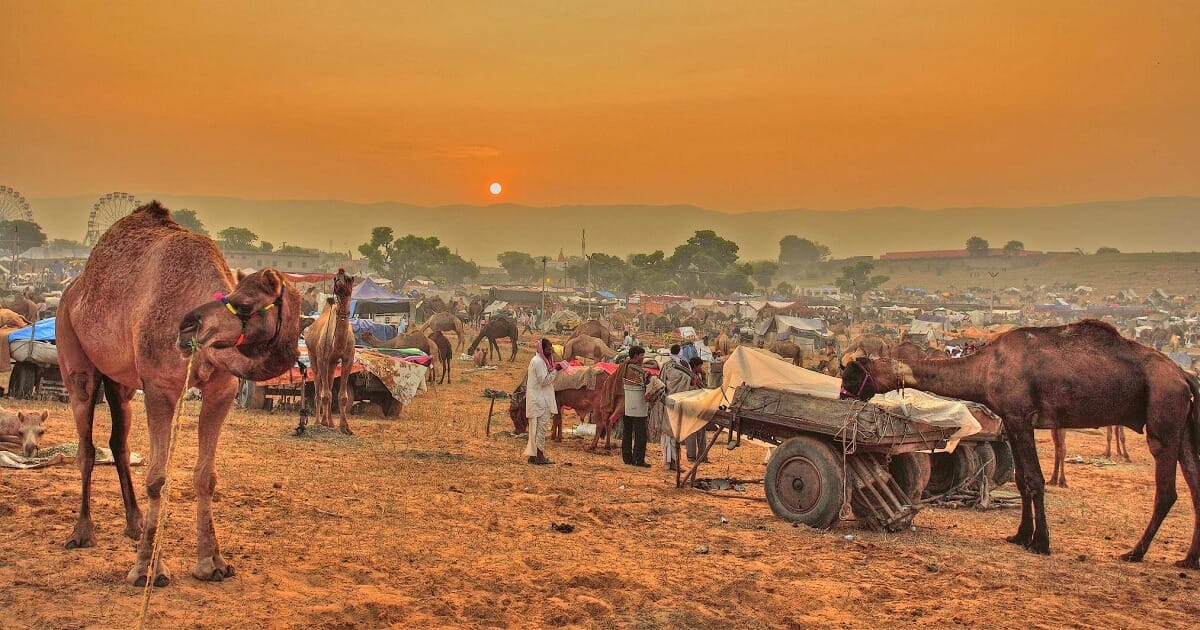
(445,322)
(444,353)
(146,293)
(789,351)
(1116,434)
(497,328)
(1080,375)
(331,342)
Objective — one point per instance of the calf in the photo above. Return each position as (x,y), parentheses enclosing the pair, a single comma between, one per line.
(585,402)
(22,430)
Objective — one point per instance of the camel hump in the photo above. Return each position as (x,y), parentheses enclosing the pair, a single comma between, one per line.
(1095,325)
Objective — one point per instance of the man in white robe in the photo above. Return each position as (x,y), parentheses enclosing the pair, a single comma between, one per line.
(540,404)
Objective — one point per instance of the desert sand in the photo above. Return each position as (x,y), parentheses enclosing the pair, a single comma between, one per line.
(423,520)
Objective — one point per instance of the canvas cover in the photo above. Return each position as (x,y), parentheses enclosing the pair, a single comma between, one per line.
(688,412)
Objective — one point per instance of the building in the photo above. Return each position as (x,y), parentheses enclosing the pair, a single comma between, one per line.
(293,263)
(825,290)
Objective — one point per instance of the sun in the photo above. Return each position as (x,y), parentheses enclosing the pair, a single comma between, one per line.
(495,188)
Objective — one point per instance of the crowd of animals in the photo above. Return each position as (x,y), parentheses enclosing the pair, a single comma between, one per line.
(185,320)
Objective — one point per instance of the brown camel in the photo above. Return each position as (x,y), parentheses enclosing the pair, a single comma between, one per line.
(586,402)
(22,432)
(414,340)
(723,344)
(497,328)
(789,351)
(869,346)
(588,347)
(475,309)
(146,293)
(1080,375)
(618,320)
(445,322)
(593,328)
(444,353)
(331,342)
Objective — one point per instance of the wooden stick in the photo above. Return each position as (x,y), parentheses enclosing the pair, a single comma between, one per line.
(691,476)
(488,426)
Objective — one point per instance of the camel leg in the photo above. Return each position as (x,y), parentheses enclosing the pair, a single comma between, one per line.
(1108,440)
(1122,448)
(160,408)
(1033,532)
(83,388)
(556,427)
(325,396)
(1165,460)
(1189,461)
(217,399)
(514,350)
(1059,476)
(344,394)
(118,403)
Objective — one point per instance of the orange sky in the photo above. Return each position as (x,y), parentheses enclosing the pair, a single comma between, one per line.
(733,106)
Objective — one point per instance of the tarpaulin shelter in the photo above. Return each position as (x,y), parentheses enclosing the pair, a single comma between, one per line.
(371,301)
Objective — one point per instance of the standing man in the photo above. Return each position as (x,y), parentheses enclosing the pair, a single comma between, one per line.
(539,400)
(628,341)
(625,397)
(679,377)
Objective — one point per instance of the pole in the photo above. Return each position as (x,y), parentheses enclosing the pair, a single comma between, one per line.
(542,317)
(589,284)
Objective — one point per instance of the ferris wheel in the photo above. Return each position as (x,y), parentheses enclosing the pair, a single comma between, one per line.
(108,210)
(13,206)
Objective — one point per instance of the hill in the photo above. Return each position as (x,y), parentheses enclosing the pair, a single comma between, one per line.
(480,232)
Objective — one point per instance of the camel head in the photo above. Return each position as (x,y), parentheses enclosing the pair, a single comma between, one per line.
(252,331)
(369,339)
(30,431)
(862,378)
(343,286)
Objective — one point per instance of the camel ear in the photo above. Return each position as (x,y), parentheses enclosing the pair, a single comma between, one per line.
(45,414)
(239,275)
(273,280)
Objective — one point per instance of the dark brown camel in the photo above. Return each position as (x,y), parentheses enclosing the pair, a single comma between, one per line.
(1081,375)
(593,328)
(445,352)
(788,351)
(445,322)
(475,309)
(146,293)
(1116,434)
(330,343)
(497,328)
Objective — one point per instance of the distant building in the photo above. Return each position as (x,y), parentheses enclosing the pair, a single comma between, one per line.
(825,290)
(953,253)
(254,259)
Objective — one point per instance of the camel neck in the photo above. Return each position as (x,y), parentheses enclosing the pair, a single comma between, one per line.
(953,378)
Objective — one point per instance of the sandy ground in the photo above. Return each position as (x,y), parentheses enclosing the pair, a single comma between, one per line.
(424,521)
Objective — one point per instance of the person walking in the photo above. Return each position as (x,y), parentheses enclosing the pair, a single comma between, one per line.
(539,400)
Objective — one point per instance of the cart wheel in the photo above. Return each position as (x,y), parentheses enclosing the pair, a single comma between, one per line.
(987,459)
(1005,467)
(911,472)
(947,470)
(250,395)
(805,482)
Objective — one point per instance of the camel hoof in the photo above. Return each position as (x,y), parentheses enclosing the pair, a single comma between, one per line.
(77,543)
(208,571)
(1131,556)
(1019,539)
(346,430)
(133,532)
(1188,563)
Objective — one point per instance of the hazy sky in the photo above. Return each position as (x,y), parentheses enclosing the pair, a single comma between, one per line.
(729,105)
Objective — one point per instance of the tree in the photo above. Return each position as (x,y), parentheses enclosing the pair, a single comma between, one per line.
(857,279)
(1012,248)
(794,250)
(189,221)
(1107,250)
(977,246)
(519,265)
(65,242)
(785,289)
(650,271)
(763,272)
(20,235)
(608,272)
(237,238)
(266,247)
(455,270)
(705,252)
(403,259)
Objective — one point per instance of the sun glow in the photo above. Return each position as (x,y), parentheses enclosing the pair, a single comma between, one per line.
(495,188)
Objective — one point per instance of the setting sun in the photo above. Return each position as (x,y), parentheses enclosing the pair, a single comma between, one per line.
(495,188)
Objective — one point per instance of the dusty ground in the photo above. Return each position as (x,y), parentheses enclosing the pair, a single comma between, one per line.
(424,521)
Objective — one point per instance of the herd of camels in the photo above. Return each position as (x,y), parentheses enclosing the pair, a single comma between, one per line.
(157,307)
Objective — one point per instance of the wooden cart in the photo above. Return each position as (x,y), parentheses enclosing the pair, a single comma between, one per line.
(830,451)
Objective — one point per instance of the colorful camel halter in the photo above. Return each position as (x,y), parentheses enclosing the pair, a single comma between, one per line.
(245,314)
(867,378)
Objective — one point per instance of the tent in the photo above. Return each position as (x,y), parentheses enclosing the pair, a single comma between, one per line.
(371,301)
(564,318)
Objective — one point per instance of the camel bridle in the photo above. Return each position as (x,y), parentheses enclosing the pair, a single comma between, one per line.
(867,378)
(246,314)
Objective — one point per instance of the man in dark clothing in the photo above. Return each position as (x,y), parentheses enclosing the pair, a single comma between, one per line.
(627,399)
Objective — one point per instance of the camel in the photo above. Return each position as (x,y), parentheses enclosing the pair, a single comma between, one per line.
(1033,377)
(618,320)
(22,431)
(723,344)
(1117,432)
(444,353)
(481,356)
(445,322)
(146,293)
(331,342)
(21,304)
(789,351)
(593,328)
(585,402)
(497,328)
(869,346)
(475,309)
(414,340)
(586,346)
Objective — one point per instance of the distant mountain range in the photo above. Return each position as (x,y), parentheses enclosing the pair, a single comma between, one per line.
(480,232)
